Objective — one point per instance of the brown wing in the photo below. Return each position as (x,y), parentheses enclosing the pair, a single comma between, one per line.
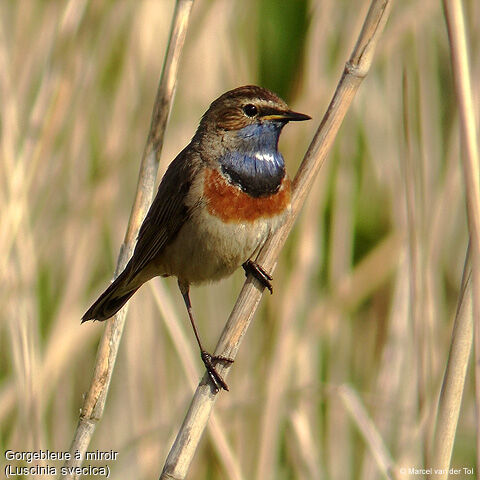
(168,211)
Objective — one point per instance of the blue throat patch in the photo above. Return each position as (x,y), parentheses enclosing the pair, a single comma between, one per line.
(256,165)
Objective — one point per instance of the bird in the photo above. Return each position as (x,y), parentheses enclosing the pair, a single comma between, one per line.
(219,200)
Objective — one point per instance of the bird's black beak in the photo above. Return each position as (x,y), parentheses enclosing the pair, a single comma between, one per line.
(287,116)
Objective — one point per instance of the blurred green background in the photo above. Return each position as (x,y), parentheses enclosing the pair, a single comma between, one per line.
(366,287)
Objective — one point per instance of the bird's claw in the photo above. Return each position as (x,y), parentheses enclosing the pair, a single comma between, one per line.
(259,273)
(209,362)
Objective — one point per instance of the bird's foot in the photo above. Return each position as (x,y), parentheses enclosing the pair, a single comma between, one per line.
(259,273)
(209,362)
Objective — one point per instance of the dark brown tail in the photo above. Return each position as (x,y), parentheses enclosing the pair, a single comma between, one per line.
(110,301)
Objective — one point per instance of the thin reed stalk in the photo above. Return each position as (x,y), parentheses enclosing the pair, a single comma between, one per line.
(451,396)
(367,428)
(357,67)
(94,403)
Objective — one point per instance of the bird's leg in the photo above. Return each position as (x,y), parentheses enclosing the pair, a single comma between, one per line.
(208,359)
(259,273)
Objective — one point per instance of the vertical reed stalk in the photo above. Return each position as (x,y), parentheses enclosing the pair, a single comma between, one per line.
(94,403)
(470,162)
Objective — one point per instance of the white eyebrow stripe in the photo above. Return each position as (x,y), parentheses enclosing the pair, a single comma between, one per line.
(265,157)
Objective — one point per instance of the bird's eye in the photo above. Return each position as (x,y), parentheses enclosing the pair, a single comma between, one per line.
(250,110)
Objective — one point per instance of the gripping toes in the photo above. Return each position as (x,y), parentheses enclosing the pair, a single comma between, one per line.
(209,362)
(259,273)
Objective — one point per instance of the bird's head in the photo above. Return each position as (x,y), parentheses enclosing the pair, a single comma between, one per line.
(247,112)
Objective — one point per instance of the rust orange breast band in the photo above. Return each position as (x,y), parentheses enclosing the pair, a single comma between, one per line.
(230,204)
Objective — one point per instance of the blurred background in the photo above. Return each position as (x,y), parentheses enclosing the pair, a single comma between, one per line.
(360,323)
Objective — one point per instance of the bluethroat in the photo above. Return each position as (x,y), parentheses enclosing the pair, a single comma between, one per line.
(224,194)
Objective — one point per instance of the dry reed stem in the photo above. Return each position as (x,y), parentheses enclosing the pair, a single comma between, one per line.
(414,183)
(454,379)
(94,403)
(366,426)
(357,67)
(470,162)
